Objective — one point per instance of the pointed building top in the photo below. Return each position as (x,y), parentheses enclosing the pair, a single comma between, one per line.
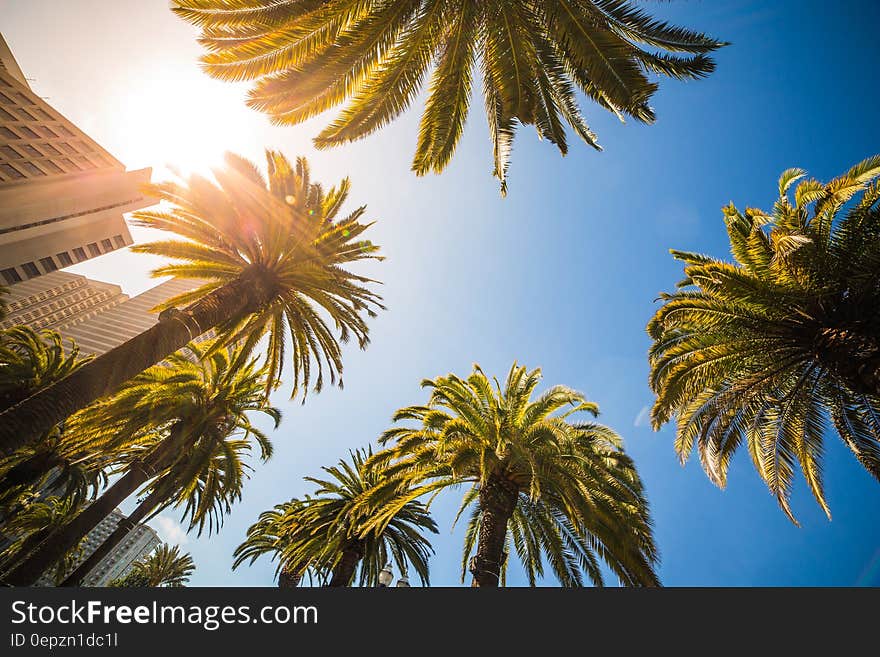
(8,63)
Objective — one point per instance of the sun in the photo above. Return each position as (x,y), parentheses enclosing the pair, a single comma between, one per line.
(179,120)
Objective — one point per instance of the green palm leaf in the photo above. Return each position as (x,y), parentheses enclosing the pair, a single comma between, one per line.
(305,58)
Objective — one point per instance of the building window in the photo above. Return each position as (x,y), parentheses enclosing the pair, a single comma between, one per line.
(64,259)
(43,114)
(10,171)
(49,265)
(94,251)
(47,132)
(6,132)
(54,168)
(49,148)
(84,163)
(6,100)
(30,269)
(27,116)
(79,253)
(10,152)
(30,150)
(64,129)
(11,276)
(30,134)
(107,244)
(24,99)
(67,147)
(32,169)
(119,241)
(6,115)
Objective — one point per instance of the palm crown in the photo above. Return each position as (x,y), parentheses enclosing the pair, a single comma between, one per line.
(764,349)
(204,404)
(555,487)
(30,524)
(61,460)
(286,234)
(30,360)
(330,531)
(165,567)
(534,55)
(275,533)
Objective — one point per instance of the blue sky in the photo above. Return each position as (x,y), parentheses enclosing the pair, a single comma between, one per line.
(561,274)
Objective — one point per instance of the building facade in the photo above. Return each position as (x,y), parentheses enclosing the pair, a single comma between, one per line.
(138,543)
(97,316)
(62,196)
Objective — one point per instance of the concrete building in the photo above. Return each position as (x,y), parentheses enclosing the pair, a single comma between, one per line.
(138,543)
(62,196)
(97,316)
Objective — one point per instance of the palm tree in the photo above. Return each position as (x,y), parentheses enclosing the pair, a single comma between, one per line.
(61,464)
(328,531)
(550,486)
(31,524)
(194,459)
(273,255)
(534,56)
(166,566)
(275,533)
(29,361)
(765,349)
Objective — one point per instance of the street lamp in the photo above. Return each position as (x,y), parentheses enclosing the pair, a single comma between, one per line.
(386,575)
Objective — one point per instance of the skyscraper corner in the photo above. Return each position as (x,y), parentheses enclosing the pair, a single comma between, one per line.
(62,196)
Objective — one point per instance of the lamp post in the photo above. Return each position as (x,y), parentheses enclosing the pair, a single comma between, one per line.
(386,576)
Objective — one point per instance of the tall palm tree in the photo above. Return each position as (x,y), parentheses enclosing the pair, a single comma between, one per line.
(552,487)
(534,56)
(273,253)
(165,567)
(329,530)
(201,405)
(275,533)
(765,349)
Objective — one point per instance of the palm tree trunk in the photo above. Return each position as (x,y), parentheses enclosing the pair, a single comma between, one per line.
(289,578)
(59,542)
(343,571)
(854,355)
(122,530)
(497,501)
(30,543)
(25,422)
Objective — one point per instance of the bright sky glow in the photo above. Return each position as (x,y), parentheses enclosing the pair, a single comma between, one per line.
(182,120)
